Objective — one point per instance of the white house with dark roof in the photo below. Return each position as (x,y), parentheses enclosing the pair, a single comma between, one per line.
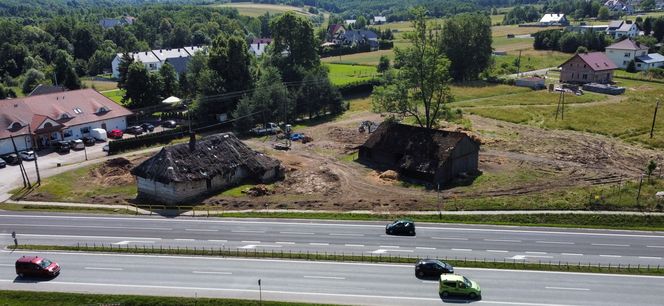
(554,20)
(621,28)
(379,19)
(622,52)
(258,46)
(154,59)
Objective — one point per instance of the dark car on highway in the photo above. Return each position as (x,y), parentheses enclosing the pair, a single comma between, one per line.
(147,127)
(134,130)
(432,268)
(169,124)
(89,140)
(36,266)
(401,227)
(11,159)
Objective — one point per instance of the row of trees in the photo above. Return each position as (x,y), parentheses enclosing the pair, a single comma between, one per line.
(569,42)
(438,56)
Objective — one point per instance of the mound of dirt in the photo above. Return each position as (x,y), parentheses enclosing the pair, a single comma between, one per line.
(389,175)
(113,172)
(320,181)
(258,190)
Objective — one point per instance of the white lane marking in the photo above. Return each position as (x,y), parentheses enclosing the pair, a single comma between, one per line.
(200,230)
(324,277)
(223,241)
(183,239)
(253,246)
(318,243)
(613,256)
(250,241)
(212,272)
(654,246)
(425,248)
(84,237)
(284,242)
(383,251)
(329,263)
(538,253)
(430,282)
(502,240)
(554,242)
(610,244)
(105,269)
(250,232)
(315,294)
(355,245)
(328,224)
(649,257)
(388,246)
(463,250)
(571,254)
(6,265)
(296,233)
(93,226)
(564,288)
(351,235)
(449,238)
(125,242)
(496,251)
(523,257)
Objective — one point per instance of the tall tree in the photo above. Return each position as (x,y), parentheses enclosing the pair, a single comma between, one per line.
(603,13)
(658,29)
(32,78)
(231,60)
(169,80)
(141,88)
(243,115)
(420,88)
(360,22)
(294,35)
(64,70)
(383,63)
(85,42)
(647,25)
(271,97)
(648,5)
(466,41)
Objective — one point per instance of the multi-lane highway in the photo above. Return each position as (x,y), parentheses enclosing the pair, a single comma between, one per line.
(322,282)
(432,240)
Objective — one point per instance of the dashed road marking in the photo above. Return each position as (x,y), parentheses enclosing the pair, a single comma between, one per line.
(554,242)
(425,248)
(355,245)
(502,240)
(296,233)
(284,242)
(318,243)
(212,272)
(448,238)
(610,244)
(540,253)
(200,230)
(613,256)
(324,277)
(571,254)
(649,257)
(566,288)
(497,251)
(463,250)
(105,269)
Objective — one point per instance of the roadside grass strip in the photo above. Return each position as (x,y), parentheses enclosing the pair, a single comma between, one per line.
(463,262)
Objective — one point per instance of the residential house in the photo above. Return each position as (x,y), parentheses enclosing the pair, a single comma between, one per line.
(108,23)
(622,28)
(594,67)
(258,46)
(624,51)
(652,60)
(620,6)
(354,38)
(334,33)
(585,28)
(37,121)
(554,20)
(379,19)
(431,155)
(350,22)
(154,59)
(184,172)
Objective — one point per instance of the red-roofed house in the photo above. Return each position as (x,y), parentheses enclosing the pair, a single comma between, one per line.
(42,119)
(335,33)
(594,67)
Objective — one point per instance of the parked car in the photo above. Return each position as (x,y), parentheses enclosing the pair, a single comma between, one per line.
(134,130)
(432,268)
(77,144)
(454,284)
(296,136)
(89,140)
(116,134)
(61,146)
(3,163)
(11,159)
(27,155)
(36,266)
(99,134)
(401,227)
(147,127)
(269,129)
(169,124)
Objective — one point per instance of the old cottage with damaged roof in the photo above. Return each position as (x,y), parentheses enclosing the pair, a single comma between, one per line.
(185,172)
(434,156)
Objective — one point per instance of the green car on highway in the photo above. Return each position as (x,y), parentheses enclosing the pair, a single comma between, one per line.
(454,284)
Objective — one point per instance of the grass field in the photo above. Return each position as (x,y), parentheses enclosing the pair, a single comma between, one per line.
(533,59)
(99,85)
(342,74)
(530,97)
(366,58)
(115,95)
(257,9)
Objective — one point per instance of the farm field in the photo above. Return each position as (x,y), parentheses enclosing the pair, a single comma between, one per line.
(257,9)
(533,59)
(341,74)
(365,58)
(98,84)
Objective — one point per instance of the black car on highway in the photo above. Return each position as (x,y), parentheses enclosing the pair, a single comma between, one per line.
(432,268)
(401,227)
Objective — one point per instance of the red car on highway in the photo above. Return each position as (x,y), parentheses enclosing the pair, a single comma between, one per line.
(37,267)
(116,134)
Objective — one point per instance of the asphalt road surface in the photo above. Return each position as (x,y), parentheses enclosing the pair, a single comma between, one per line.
(322,282)
(432,240)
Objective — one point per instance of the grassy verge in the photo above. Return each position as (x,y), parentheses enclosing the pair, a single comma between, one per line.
(49,208)
(467,262)
(29,298)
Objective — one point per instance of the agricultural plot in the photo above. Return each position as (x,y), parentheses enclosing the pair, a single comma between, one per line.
(341,74)
(257,9)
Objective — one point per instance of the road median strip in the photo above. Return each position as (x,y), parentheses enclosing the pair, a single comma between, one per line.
(463,262)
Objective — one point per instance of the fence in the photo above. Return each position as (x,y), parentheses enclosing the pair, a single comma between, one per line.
(373,258)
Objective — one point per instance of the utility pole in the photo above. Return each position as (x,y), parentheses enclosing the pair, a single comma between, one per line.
(260,293)
(24,174)
(638,194)
(440,203)
(654,117)
(561,105)
(36,165)
(518,66)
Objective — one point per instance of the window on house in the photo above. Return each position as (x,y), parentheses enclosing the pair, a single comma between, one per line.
(16,126)
(47,125)
(627,54)
(78,110)
(85,130)
(624,62)
(585,76)
(67,133)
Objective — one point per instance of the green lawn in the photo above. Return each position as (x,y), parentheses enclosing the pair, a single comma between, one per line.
(533,60)
(530,97)
(115,95)
(479,89)
(342,74)
(257,9)
(99,85)
(364,58)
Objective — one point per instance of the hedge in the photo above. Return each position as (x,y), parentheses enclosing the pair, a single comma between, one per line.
(117,146)
(359,87)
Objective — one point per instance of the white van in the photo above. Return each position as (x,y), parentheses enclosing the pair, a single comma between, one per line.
(99,134)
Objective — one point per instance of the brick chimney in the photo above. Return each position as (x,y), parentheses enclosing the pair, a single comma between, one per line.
(192,142)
